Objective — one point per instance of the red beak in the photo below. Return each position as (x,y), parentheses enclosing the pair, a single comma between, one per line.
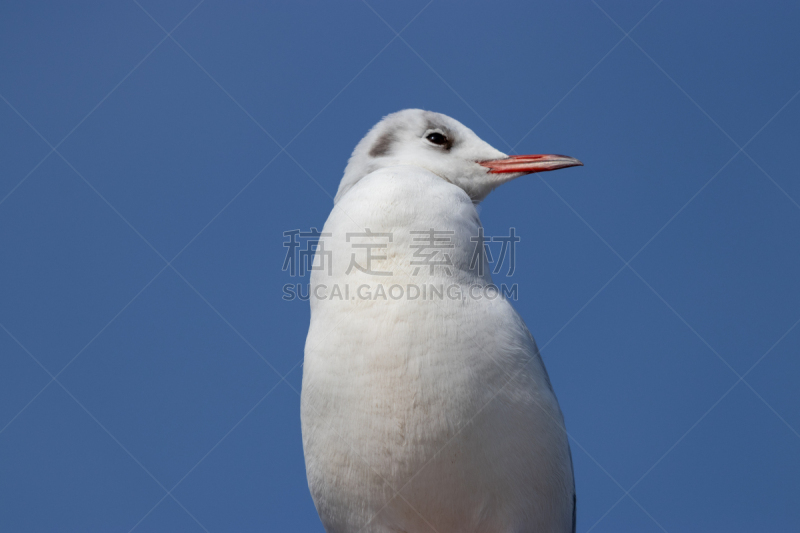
(530,163)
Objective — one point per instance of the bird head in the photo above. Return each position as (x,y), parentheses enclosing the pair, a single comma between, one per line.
(445,147)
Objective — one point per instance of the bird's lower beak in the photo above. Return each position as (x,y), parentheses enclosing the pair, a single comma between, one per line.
(527,164)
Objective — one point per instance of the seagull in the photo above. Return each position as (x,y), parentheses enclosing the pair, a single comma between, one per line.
(425,405)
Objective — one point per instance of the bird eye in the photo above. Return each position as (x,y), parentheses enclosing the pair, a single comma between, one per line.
(437,138)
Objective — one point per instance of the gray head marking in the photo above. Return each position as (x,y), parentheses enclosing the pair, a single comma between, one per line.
(383,145)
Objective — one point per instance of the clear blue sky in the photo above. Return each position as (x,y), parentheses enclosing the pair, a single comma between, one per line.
(169,149)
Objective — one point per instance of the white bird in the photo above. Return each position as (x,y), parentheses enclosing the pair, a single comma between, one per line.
(427,413)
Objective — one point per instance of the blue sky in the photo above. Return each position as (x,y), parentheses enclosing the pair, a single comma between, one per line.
(149,369)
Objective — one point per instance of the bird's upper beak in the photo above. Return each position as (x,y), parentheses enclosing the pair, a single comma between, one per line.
(528,164)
